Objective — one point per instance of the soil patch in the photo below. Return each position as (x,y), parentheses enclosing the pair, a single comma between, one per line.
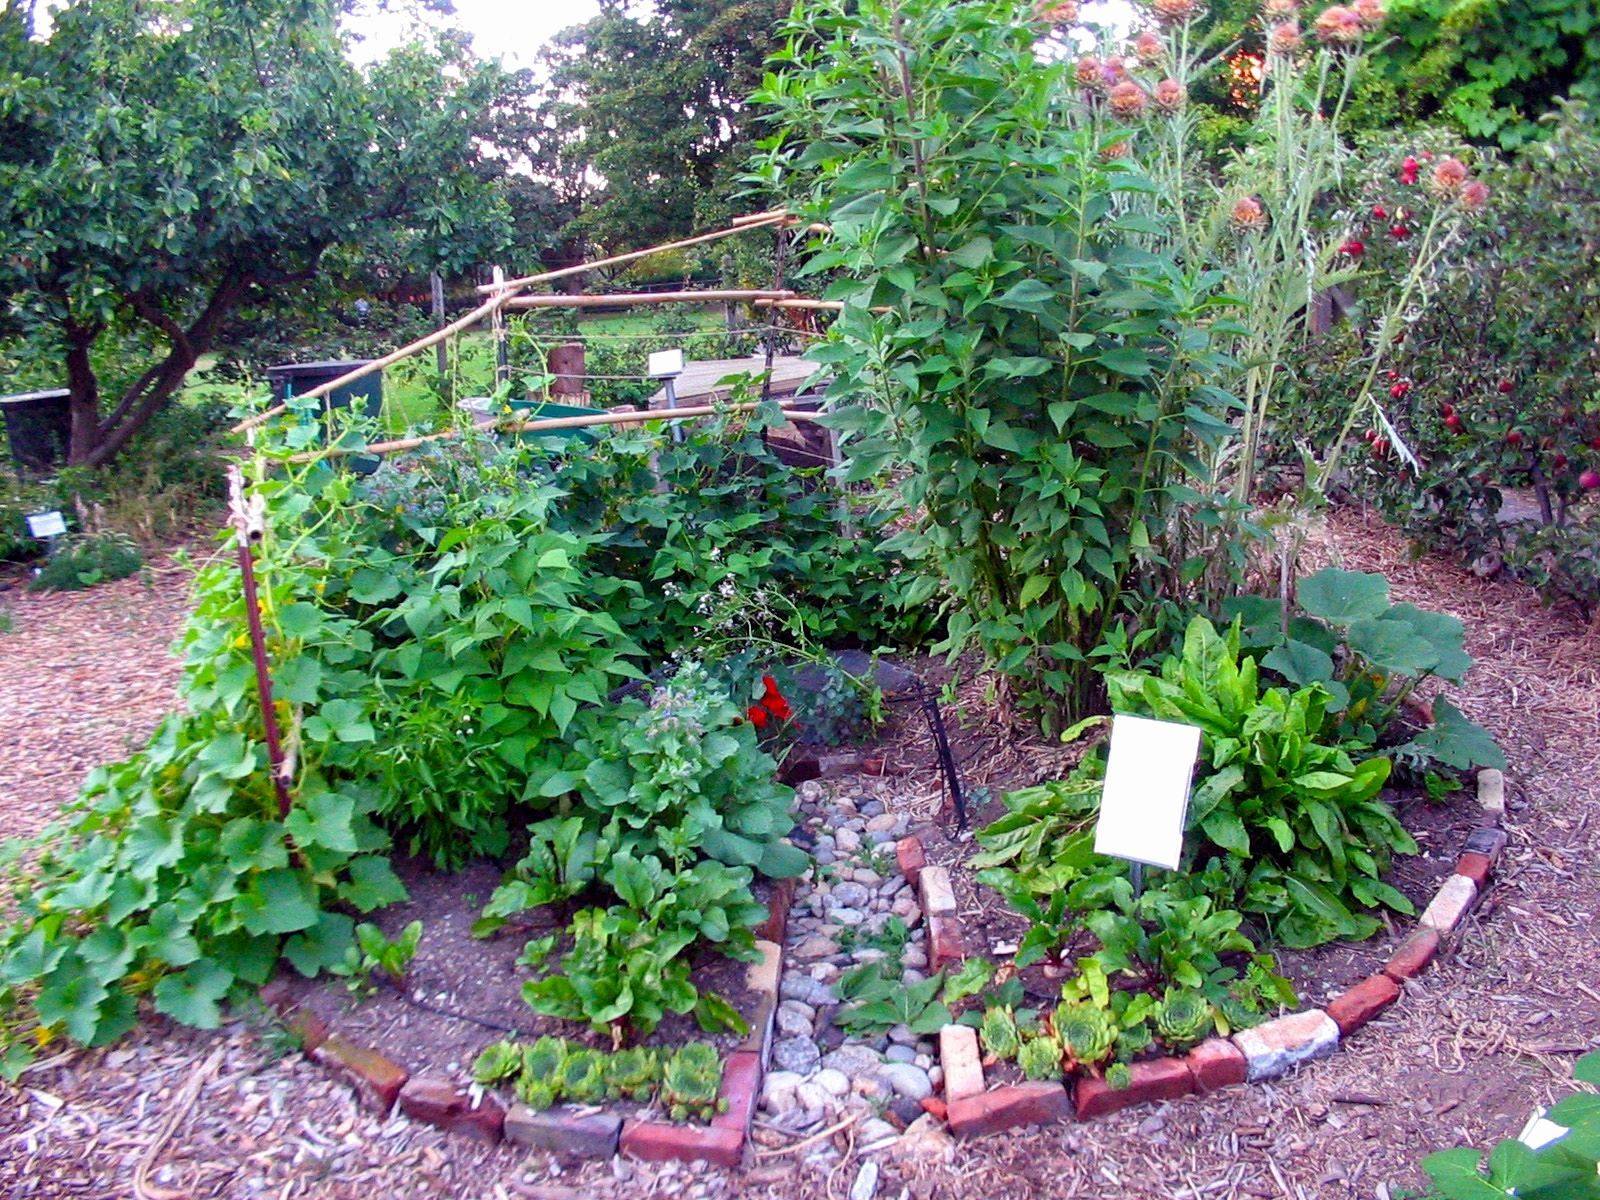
(463,992)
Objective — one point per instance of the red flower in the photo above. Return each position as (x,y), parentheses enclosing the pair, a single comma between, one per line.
(1355,248)
(1399,232)
(1409,169)
(1379,212)
(758,716)
(1506,387)
(773,703)
(1399,390)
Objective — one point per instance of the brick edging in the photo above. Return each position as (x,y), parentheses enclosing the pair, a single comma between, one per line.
(384,1086)
(1260,1053)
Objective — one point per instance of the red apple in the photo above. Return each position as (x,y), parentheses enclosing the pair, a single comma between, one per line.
(1514,438)
(1589,480)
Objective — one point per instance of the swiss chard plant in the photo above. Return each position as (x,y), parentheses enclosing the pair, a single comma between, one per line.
(1288,816)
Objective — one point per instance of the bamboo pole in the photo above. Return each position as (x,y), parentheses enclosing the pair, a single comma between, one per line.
(759,216)
(541,424)
(621,299)
(617,260)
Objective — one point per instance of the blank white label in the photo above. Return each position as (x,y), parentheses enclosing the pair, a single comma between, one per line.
(666,363)
(1146,795)
(44,525)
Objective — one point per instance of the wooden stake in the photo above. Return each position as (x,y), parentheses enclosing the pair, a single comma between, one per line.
(442,353)
(630,299)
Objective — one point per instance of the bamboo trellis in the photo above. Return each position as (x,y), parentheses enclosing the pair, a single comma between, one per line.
(503,294)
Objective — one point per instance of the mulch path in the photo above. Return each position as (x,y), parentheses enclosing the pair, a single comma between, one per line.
(1487,1034)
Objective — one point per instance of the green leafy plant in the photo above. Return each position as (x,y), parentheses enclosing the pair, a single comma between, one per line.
(375,955)
(1086,1030)
(1183,1019)
(1289,827)
(1039,1057)
(538,1085)
(1040,369)
(87,560)
(690,1081)
(633,1074)
(674,807)
(969,979)
(499,1062)
(999,1032)
(879,999)
(1368,655)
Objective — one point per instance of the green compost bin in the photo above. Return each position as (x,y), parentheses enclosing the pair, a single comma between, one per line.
(38,428)
(533,410)
(287,380)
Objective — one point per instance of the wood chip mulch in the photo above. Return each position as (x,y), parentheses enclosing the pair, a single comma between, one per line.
(1490,1032)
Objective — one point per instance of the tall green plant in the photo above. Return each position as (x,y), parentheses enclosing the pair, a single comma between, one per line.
(1007,340)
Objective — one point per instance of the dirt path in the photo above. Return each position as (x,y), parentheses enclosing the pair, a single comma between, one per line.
(1486,1035)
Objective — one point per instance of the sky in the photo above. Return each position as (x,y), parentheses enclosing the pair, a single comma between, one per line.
(510,29)
(515,29)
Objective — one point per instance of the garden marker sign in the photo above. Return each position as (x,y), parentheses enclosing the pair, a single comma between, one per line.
(1146,794)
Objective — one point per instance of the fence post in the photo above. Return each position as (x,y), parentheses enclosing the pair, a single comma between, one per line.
(497,325)
(441,351)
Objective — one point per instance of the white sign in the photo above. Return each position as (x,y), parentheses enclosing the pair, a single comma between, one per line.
(46,525)
(1146,794)
(666,363)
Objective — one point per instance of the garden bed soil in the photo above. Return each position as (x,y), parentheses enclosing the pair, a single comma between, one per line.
(462,993)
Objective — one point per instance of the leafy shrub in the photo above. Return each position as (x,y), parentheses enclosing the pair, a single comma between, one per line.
(1042,374)
(1369,655)
(87,560)
(175,876)
(672,805)
(1488,392)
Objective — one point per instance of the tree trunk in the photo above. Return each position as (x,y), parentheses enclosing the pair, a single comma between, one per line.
(97,439)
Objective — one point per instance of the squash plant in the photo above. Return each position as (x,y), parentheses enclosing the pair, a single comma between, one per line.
(1369,655)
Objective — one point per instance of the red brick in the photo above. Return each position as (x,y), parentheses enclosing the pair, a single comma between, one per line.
(439,1102)
(912,858)
(377,1081)
(1216,1063)
(944,941)
(937,1107)
(1413,955)
(1009,1106)
(1155,1079)
(741,1088)
(772,929)
(561,1132)
(873,766)
(654,1141)
(1475,867)
(1355,1007)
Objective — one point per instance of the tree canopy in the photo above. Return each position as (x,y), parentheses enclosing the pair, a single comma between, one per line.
(161,163)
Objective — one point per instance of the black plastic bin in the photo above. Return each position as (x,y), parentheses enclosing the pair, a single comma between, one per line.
(39,428)
(296,379)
